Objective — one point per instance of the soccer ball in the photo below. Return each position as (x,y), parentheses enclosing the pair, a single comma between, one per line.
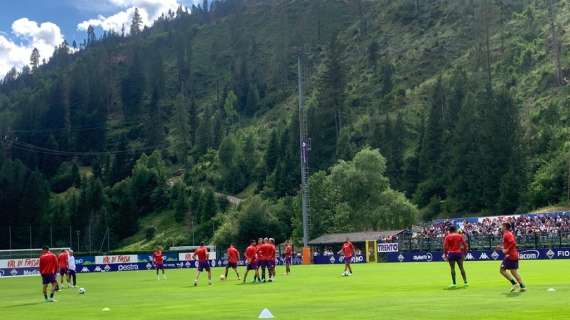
(222,277)
(81,290)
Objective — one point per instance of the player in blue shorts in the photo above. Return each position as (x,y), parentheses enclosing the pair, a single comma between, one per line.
(201,254)
(251,261)
(454,249)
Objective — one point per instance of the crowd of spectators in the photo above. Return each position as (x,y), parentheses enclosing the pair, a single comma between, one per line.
(524,225)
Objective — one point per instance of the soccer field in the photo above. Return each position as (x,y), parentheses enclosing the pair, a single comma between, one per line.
(375,291)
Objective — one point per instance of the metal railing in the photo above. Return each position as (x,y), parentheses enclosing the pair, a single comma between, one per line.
(408,242)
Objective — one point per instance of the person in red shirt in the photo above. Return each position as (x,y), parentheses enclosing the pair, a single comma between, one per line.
(261,263)
(271,252)
(158,261)
(454,250)
(262,256)
(251,261)
(510,262)
(62,259)
(201,254)
(288,256)
(48,271)
(233,258)
(347,251)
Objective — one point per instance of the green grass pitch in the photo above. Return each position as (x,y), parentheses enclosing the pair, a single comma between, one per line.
(375,291)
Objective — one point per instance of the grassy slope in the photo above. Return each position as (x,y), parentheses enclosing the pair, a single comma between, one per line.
(387,291)
(437,49)
(167,231)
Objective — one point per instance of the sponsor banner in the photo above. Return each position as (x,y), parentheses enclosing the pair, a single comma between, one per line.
(85,260)
(19,263)
(189,256)
(524,254)
(131,258)
(15,272)
(388,247)
(337,259)
(147,257)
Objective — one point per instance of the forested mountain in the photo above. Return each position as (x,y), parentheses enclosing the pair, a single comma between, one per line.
(416,110)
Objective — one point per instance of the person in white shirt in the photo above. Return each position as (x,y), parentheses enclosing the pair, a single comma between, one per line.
(71,276)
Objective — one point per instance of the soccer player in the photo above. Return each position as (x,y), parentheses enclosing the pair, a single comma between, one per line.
(48,270)
(454,250)
(510,264)
(201,254)
(348,251)
(288,257)
(251,261)
(271,257)
(262,257)
(233,258)
(158,261)
(71,274)
(63,259)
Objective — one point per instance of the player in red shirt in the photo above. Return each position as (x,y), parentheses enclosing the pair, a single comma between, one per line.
(201,254)
(233,258)
(347,251)
(511,260)
(48,271)
(262,257)
(261,264)
(158,261)
(63,259)
(288,256)
(454,249)
(251,261)
(271,252)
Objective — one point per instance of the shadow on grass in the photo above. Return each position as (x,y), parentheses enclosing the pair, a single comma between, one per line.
(455,288)
(512,294)
(25,304)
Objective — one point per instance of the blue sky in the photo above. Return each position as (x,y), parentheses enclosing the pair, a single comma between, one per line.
(25,24)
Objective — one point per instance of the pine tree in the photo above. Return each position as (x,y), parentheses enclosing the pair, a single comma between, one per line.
(155,132)
(182,142)
(35,59)
(91,37)
(432,145)
(136,22)
(326,117)
(272,152)
(132,87)
(396,160)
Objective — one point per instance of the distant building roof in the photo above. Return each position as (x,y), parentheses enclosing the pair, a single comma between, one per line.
(354,237)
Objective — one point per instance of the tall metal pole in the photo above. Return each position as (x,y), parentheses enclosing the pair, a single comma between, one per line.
(304,148)
(30,236)
(10,235)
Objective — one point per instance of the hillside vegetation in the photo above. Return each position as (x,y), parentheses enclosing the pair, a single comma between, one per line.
(416,110)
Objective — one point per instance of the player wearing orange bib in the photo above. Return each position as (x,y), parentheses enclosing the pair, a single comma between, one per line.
(233,258)
(62,259)
(48,271)
(158,261)
(201,254)
(251,261)
(347,251)
(454,249)
(288,257)
(510,262)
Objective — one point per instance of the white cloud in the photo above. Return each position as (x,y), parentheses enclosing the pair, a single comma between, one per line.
(28,35)
(150,10)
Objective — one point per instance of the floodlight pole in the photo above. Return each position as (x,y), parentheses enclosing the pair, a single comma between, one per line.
(304,150)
